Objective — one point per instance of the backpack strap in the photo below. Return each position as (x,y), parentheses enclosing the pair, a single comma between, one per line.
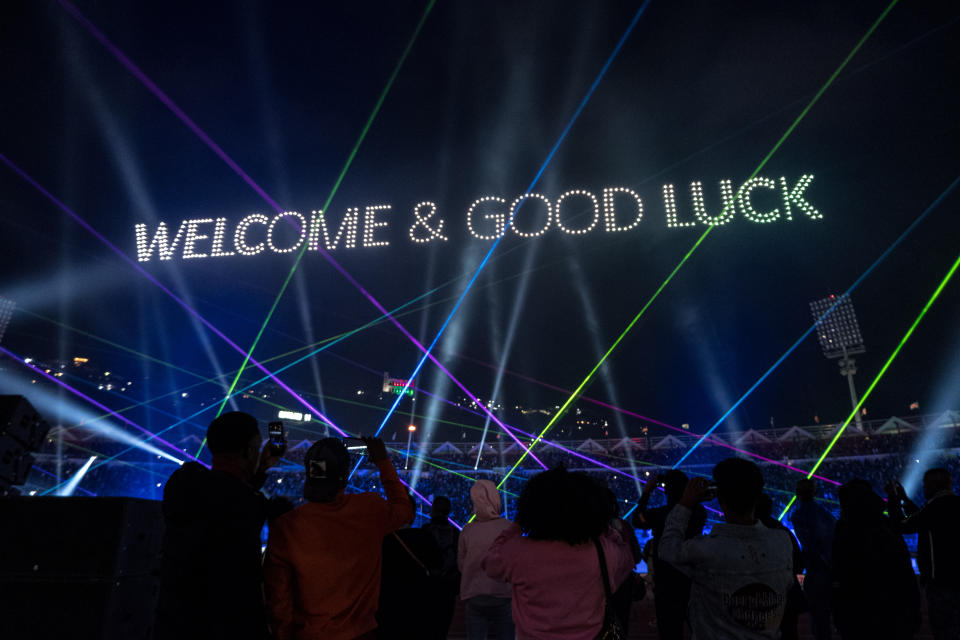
(603,569)
(410,553)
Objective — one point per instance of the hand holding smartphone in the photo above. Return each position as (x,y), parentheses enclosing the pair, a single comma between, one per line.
(355,445)
(278,438)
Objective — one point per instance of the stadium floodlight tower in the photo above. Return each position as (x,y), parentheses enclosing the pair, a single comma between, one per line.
(840,337)
(6,312)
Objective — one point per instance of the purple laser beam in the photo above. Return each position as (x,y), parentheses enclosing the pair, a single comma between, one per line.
(99,405)
(635,415)
(177,111)
(715,441)
(163,288)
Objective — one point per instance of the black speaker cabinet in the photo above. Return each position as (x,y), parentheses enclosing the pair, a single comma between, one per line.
(79,567)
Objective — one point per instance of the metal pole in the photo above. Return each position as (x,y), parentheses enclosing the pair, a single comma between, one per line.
(406,462)
(848,367)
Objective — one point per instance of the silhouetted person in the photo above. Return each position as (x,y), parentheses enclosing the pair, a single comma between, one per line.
(634,587)
(814,527)
(549,557)
(875,590)
(742,571)
(411,561)
(796,602)
(671,588)
(211,580)
(486,601)
(323,560)
(938,547)
(446,584)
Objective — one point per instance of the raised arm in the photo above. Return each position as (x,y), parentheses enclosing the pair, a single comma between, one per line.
(673,548)
(399,509)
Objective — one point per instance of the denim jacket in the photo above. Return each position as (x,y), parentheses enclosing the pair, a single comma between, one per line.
(740,573)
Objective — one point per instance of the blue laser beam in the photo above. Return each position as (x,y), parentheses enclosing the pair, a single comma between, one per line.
(806,334)
(536,179)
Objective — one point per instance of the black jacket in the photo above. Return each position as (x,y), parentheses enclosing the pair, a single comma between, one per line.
(937,526)
(875,592)
(211,584)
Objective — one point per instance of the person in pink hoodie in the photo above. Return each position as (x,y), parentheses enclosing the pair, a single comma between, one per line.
(549,558)
(487,601)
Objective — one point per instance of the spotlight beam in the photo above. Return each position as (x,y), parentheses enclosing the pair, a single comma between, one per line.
(883,256)
(168,102)
(883,370)
(172,106)
(326,343)
(594,461)
(632,414)
(90,400)
(53,475)
(486,258)
(71,486)
(333,191)
(779,143)
(193,312)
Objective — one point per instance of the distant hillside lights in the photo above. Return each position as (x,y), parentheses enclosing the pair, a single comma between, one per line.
(575,212)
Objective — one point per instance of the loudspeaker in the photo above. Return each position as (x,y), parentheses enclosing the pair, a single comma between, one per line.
(15,462)
(22,430)
(79,567)
(19,420)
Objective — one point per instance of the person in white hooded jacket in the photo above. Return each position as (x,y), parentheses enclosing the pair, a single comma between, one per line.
(487,601)
(741,572)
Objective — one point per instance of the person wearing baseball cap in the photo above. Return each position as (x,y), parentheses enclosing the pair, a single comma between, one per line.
(211,581)
(323,562)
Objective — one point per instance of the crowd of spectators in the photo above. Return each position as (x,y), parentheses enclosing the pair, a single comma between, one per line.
(346,564)
(875,458)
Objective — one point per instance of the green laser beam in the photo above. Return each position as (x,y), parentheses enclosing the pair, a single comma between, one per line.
(703,236)
(576,392)
(883,370)
(424,458)
(100,454)
(215,380)
(115,345)
(343,172)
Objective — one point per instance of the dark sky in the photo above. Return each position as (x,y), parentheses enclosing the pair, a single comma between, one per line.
(699,92)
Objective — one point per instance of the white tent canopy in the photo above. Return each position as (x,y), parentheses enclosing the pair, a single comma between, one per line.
(513,448)
(64,432)
(487,448)
(895,425)
(751,436)
(947,420)
(446,448)
(669,442)
(591,445)
(796,433)
(627,444)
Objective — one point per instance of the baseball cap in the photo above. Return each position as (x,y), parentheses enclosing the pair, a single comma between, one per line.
(326,464)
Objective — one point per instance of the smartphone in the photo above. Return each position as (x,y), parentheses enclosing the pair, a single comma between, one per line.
(278,438)
(711,492)
(355,445)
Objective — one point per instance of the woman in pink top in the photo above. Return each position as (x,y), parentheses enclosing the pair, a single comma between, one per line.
(549,558)
(487,601)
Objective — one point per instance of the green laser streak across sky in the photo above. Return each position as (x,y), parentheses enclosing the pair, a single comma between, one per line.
(766,159)
(396,313)
(883,370)
(343,172)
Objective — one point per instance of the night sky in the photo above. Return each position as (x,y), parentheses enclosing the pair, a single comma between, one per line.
(698,92)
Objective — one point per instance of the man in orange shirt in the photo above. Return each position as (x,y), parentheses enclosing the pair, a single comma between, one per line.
(322,569)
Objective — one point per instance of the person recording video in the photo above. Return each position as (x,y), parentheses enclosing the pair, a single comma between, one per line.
(211,580)
(323,563)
